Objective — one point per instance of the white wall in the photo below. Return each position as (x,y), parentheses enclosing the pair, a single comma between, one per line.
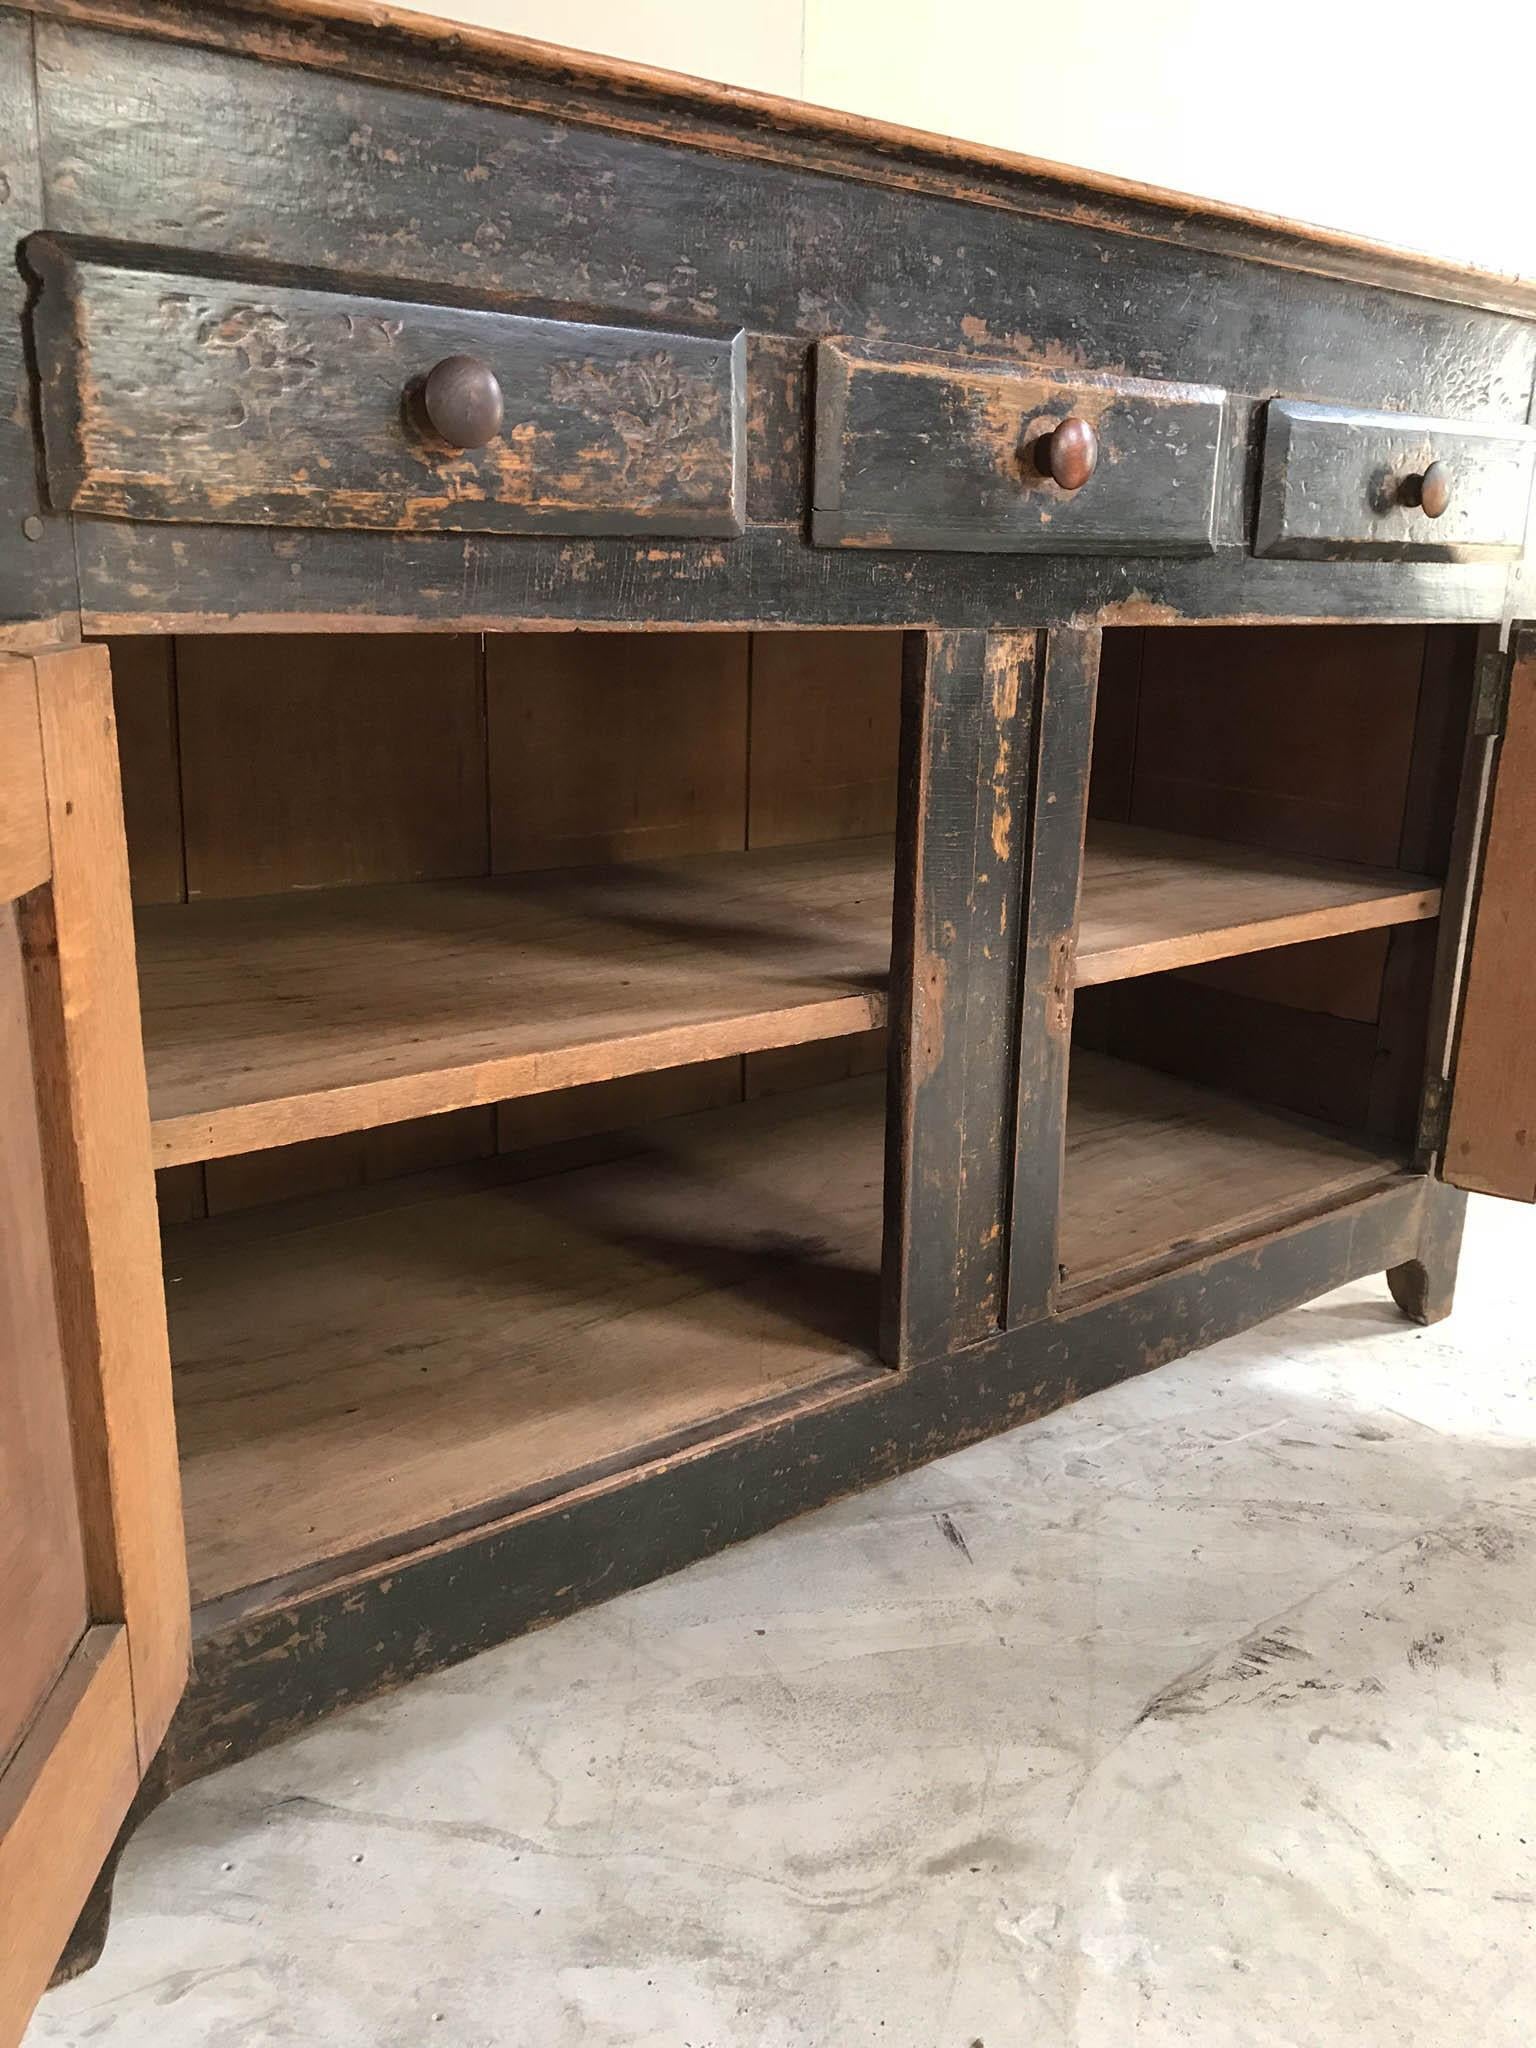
(1399,121)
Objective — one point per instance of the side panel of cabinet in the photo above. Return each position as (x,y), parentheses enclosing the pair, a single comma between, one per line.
(1491,1135)
(93,1593)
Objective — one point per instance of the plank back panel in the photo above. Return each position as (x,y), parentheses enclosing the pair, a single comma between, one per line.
(319,760)
(615,746)
(826,725)
(149,759)
(1299,741)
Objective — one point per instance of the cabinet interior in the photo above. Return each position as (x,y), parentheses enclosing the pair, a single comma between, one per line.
(1281,1072)
(514,1016)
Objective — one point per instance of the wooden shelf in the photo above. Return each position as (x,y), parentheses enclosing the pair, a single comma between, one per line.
(277,1018)
(357,1373)
(1157,900)
(350,1370)
(1158,1173)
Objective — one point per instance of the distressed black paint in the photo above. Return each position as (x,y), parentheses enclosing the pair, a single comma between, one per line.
(962,827)
(947,455)
(1339,482)
(1063,737)
(170,396)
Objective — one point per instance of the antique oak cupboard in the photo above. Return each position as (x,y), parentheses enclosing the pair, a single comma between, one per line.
(1026,872)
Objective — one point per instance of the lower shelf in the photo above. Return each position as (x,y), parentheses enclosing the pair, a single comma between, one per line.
(1158,1171)
(355,1371)
(352,1369)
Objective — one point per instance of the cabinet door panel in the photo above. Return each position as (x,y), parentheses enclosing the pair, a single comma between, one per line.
(1491,1136)
(93,1594)
(42,1558)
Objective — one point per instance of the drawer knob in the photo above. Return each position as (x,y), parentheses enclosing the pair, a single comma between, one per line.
(1070,453)
(459,401)
(1434,490)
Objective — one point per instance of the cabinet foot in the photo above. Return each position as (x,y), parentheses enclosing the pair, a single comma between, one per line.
(1425,1287)
(88,1936)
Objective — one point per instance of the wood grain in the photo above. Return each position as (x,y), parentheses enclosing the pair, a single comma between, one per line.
(270,1021)
(1153,901)
(93,1115)
(359,1159)
(42,1570)
(320,760)
(474,1339)
(1491,1143)
(606,1109)
(1300,742)
(825,729)
(62,1799)
(282,1018)
(25,858)
(351,1369)
(1159,1173)
(149,760)
(618,747)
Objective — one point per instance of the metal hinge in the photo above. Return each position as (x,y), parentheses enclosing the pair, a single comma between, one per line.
(1490,707)
(1434,1117)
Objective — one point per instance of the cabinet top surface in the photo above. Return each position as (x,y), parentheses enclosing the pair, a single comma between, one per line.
(370,39)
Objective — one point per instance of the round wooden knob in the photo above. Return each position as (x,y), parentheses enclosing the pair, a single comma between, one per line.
(460,401)
(1434,490)
(1071,452)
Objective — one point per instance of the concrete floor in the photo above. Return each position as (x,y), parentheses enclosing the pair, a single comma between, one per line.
(1200,1712)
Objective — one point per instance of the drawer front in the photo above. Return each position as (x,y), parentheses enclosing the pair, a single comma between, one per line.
(1339,483)
(182,398)
(944,454)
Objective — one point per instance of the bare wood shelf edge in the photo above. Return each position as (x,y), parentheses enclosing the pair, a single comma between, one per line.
(1153,901)
(274,1019)
(361,1370)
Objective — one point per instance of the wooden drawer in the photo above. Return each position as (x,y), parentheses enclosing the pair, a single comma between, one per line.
(1339,483)
(950,454)
(184,398)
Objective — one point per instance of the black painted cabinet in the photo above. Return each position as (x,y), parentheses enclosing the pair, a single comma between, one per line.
(1022,874)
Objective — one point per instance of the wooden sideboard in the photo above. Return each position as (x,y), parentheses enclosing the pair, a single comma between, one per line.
(718,796)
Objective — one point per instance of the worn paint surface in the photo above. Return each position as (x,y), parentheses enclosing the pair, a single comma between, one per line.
(941,455)
(965,798)
(457,178)
(1340,483)
(175,397)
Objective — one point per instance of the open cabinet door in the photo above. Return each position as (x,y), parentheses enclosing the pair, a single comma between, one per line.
(1490,1144)
(94,1621)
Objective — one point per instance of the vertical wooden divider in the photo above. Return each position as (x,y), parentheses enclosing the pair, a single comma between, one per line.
(962,827)
(1062,731)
